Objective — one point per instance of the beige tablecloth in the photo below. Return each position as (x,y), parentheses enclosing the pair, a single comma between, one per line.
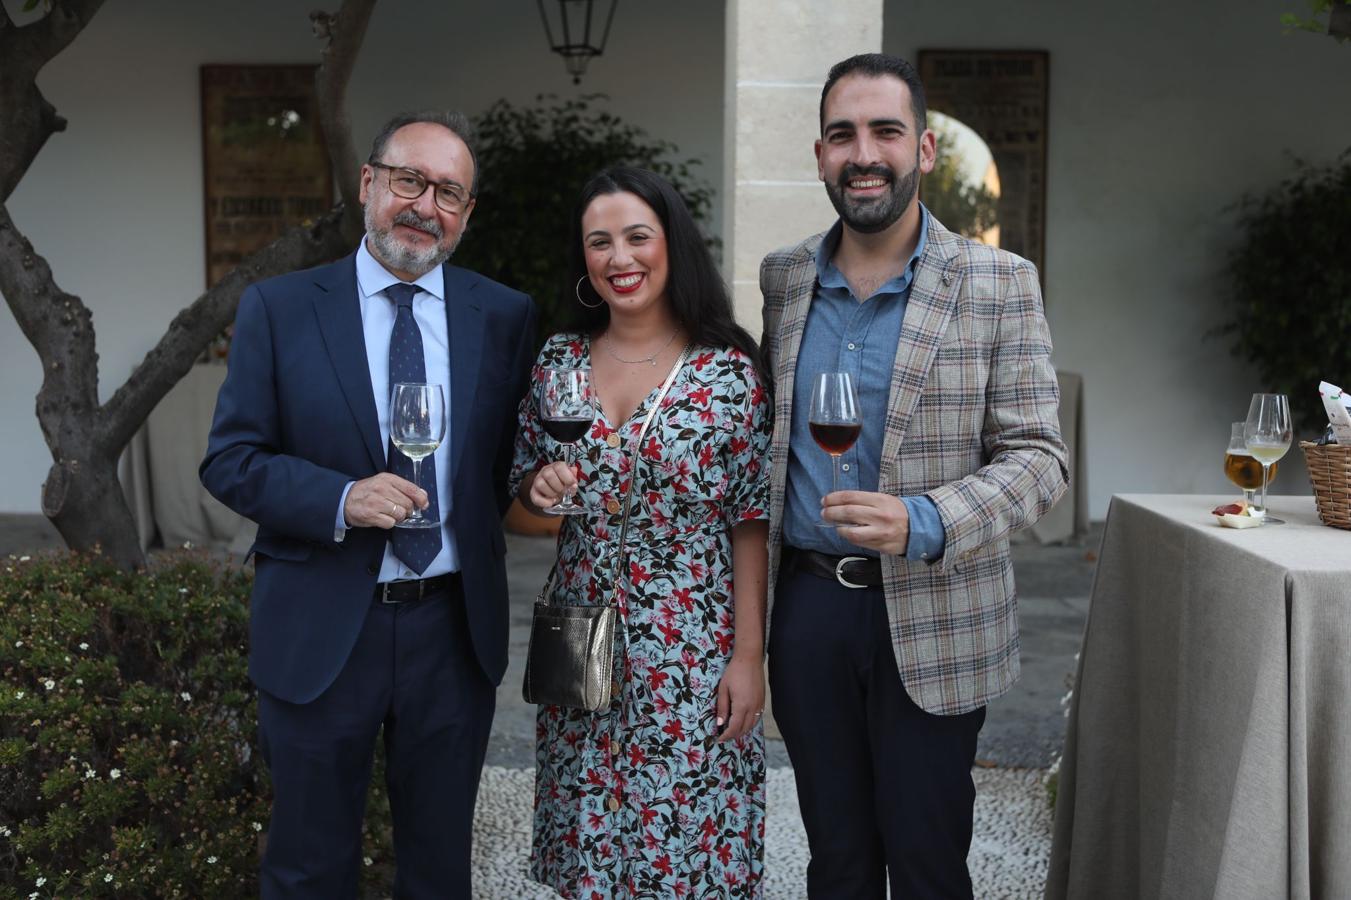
(159,471)
(1208,752)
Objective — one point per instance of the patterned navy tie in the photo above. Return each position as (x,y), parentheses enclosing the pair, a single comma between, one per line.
(416,547)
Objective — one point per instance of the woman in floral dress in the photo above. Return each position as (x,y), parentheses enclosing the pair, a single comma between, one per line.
(662,794)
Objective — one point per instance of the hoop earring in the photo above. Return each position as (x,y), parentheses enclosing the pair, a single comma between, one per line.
(577,289)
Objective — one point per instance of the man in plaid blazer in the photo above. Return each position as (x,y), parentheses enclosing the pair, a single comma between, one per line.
(895,624)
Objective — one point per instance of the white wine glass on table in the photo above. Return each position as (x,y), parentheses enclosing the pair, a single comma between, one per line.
(566,411)
(417,425)
(1266,435)
(834,422)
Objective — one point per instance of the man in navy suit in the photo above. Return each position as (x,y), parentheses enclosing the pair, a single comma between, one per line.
(356,624)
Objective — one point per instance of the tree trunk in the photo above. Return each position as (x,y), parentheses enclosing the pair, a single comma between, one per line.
(83,497)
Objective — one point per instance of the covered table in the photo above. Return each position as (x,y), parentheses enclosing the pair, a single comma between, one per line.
(1208,752)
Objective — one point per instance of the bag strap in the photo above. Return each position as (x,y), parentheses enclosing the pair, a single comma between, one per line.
(635,457)
(547,591)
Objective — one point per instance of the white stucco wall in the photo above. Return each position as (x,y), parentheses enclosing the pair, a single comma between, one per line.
(115,202)
(1161,116)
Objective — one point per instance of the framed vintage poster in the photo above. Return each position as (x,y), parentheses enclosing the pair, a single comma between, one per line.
(988,108)
(264,161)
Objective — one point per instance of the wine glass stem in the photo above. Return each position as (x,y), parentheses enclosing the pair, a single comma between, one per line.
(834,473)
(417,470)
(567,458)
(1265,468)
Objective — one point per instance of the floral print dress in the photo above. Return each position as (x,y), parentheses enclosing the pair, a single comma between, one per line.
(640,800)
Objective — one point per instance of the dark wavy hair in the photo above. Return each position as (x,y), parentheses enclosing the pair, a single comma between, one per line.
(699,298)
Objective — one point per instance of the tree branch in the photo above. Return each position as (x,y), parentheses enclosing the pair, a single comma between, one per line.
(344,32)
(27,120)
(194,327)
(60,328)
(37,42)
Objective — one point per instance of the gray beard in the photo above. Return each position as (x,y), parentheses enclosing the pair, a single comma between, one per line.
(872,216)
(385,247)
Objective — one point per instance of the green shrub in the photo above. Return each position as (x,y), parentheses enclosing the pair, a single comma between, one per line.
(128,733)
(1290,302)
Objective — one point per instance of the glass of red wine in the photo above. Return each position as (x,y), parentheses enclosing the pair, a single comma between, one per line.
(566,411)
(834,422)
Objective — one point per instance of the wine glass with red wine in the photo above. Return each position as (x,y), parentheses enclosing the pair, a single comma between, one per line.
(834,421)
(566,411)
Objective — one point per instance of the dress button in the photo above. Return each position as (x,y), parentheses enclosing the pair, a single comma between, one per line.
(613,803)
(612,439)
(612,506)
(851,345)
(845,467)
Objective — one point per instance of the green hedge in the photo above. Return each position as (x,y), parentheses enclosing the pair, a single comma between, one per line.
(128,763)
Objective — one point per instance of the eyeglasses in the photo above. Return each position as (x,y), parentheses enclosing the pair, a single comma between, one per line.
(410,185)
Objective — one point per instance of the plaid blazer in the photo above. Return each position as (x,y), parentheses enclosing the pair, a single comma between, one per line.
(973,424)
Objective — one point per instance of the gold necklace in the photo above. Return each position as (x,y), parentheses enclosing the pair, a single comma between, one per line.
(650,360)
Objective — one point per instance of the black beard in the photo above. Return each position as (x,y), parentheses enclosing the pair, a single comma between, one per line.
(872,216)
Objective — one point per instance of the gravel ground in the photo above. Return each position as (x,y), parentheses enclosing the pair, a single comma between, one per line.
(1008,858)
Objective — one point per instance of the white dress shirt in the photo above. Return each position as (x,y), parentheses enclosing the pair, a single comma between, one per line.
(377,321)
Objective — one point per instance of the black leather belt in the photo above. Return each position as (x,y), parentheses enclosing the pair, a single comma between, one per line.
(391,592)
(850,571)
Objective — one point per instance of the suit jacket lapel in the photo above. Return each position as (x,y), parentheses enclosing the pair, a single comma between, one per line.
(464,325)
(338,309)
(927,313)
(797,302)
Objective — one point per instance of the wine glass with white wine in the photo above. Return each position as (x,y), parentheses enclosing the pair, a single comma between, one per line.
(1267,434)
(417,425)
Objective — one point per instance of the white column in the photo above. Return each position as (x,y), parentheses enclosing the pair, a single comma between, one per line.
(778,54)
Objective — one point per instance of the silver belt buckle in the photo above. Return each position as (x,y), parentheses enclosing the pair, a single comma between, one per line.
(839,571)
(384,593)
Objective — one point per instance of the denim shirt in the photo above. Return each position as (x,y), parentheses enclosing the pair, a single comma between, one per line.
(845,335)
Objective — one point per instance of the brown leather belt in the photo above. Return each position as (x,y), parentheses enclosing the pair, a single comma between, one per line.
(850,571)
(392,592)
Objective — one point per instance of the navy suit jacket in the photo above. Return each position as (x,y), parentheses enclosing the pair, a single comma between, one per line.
(295,422)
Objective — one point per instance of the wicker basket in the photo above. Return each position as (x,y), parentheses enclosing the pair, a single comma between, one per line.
(1330,471)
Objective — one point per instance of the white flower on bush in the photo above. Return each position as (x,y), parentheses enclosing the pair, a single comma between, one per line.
(83,645)
(115,774)
(18,644)
(107,878)
(49,684)
(24,558)
(182,590)
(368,861)
(90,773)
(4,831)
(211,860)
(257,826)
(41,878)
(19,695)
(79,681)
(187,698)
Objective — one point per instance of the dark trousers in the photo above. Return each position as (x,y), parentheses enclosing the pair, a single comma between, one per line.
(885,787)
(413,671)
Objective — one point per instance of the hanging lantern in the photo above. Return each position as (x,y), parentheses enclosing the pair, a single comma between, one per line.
(570,30)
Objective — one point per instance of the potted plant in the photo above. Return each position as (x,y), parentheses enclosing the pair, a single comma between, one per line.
(1290,279)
